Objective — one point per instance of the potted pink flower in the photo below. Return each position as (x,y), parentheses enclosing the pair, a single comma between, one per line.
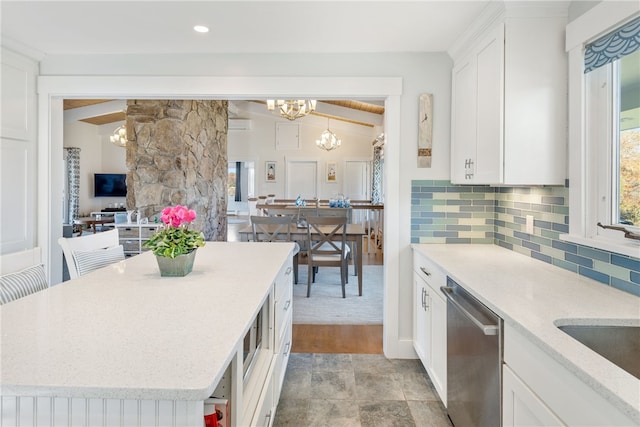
(175,245)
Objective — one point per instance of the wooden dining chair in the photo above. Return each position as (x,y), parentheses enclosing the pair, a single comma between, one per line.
(341,212)
(327,242)
(276,229)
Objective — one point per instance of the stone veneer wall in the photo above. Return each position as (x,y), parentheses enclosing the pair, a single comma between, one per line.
(177,154)
(442,212)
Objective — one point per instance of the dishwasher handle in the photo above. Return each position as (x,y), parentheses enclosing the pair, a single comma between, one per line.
(486,329)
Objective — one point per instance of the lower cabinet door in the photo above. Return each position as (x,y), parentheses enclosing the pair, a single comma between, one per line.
(421,319)
(438,365)
(520,406)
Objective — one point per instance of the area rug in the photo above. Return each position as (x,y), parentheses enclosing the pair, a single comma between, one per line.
(326,305)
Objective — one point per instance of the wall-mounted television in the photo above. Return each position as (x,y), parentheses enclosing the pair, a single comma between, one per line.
(109,185)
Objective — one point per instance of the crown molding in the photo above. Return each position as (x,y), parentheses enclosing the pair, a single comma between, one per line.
(22,49)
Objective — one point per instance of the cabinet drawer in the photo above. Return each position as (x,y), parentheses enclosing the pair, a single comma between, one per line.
(130,245)
(429,271)
(282,359)
(283,314)
(263,416)
(128,232)
(284,281)
(146,232)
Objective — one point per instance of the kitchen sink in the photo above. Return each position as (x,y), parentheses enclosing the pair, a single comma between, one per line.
(618,344)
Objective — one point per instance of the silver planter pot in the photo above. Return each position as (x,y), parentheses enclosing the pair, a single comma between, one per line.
(179,266)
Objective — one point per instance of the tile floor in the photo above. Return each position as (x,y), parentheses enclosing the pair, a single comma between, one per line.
(341,390)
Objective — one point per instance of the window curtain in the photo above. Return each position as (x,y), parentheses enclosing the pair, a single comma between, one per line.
(621,42)
(72,200)
(238,182)
(378,167)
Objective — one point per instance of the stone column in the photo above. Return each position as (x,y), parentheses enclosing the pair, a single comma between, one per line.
(177,154)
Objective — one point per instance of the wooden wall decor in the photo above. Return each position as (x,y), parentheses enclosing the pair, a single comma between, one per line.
(425,130)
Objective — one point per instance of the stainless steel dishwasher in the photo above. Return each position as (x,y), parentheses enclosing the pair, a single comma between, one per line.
(474,360)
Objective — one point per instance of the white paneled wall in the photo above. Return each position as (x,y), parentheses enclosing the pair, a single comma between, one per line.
(71,412)
(18,153)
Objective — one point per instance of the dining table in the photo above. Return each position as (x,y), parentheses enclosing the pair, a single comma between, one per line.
(354,234)
(92,222)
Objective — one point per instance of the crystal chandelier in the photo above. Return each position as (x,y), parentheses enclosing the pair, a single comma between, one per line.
(119,136)
(293,108)
(328,140)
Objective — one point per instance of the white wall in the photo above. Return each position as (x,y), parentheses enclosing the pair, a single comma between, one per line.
(419,73)
(259,144)
(114,158)
(97,155)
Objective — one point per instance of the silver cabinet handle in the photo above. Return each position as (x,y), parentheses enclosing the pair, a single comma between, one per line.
(288,272)
(425,296)
(287,347)
(425,271)
(422,298)
(486,329)
(286,305)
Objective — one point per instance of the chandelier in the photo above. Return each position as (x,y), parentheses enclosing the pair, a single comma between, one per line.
(119,136)
(293,108)
(328,140)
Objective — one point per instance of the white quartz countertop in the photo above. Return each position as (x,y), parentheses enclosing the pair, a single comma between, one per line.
(531,295)
(125,332)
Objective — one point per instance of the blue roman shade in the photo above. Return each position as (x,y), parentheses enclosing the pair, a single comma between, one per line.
(621,42)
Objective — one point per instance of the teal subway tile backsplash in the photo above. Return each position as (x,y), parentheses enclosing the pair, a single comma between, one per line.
(442,212)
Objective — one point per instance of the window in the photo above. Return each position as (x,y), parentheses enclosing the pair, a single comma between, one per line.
(613,132)
(604,127)
(626,196)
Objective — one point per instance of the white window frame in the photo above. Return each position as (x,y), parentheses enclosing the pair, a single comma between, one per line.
(589,176)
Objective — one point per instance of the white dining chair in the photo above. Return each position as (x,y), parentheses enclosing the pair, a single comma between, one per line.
(90,252)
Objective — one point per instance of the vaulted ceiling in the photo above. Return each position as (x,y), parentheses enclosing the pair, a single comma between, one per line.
(342,114)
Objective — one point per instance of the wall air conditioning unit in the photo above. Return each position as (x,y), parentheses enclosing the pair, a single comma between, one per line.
(239,124)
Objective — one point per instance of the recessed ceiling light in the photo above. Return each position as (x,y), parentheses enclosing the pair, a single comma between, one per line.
(201,29)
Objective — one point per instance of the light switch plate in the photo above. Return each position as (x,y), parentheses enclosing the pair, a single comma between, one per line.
(529,224)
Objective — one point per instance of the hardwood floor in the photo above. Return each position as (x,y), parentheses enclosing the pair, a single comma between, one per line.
(354,339)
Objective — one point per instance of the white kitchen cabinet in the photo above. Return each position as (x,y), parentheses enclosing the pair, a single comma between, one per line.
(509,107)
(430,322)
(520,405)
(265,390)
(421,318)
(537,390)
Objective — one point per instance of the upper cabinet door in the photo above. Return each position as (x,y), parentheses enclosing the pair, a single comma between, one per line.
(477,119)
(463,116)
(490,78)
(509,98)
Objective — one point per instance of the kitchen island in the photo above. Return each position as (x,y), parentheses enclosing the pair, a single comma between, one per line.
(124,346)
(548,377)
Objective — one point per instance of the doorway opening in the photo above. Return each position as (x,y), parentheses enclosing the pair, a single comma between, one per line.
(53,89)
(240,187)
